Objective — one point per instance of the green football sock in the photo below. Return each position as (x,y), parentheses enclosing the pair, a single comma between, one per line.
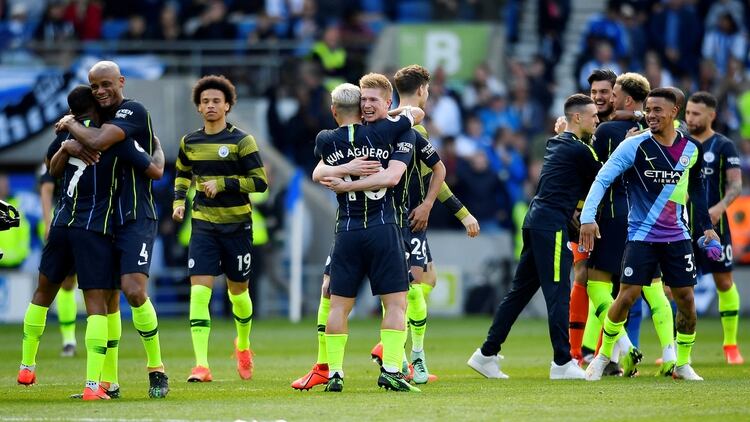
(33,328)
(426,290)
(335,347)
(323,310)
(661,312)
(610,334)
(200,322)
(66,315)
(147,325)
(729,309)
(600,293)
(393,348)
(96,346)
(416,312)
(114,332)
(592,330)
(242,309)
(685,344)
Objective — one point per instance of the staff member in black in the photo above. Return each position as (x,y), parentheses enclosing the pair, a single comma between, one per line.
(569,168)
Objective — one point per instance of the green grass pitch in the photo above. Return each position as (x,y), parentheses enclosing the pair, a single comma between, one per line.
(285,351)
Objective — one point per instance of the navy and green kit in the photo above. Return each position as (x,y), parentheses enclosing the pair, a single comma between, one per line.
(135,214)
(81,229)
(570,166)
(368,237)
(719,155)
(222,235)
(659,179)
(613,213)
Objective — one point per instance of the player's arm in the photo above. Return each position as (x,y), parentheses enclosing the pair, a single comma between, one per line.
(183,179)
(697,193)
(416,113)
(254,179)
(98,138)
(622,158)
(429,161)
(733,186)
(388,178)
(458,209)
(156,170)
(420,216)
(60,158)
(359,166)
(46,192)
(132,153)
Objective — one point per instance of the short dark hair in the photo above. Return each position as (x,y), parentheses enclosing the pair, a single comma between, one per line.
(410,78)
(575,102)
(81,100)
(215,82)
(602,75)
(665,93)
(703,97)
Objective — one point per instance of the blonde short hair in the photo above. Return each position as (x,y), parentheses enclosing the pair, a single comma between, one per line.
(377,80)
(635,85)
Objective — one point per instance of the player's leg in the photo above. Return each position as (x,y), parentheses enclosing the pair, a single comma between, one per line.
(661,316)
(638,266)
(56,263)
(236,261)
(347,269)
(679,273)
(67,309)
(96,341)
(110,380)
(319,372)
(579,303)
(633,324)
(729,306)
(486,360)
(554,279)
(204,254)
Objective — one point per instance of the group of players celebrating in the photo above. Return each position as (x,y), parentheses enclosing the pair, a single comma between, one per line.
(646,227)
(645,219)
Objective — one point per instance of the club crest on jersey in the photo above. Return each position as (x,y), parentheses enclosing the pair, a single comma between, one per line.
(709,157)
(628,272)
(138,146)
(223,151)
(684,160)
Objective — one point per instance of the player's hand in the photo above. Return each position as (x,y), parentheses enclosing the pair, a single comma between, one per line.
(416,112)
(335,184)
(361,166)
(560,125)
(471,225)
(62,124)
(589,232)
(716,212)
(710,235)
(178,214)
(85,154)
(419,217)
(211,188)
(634,131)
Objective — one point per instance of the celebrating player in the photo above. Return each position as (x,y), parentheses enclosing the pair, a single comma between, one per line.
(226,166)
(368,238)
(135,213)
(721,167)
(569,168)
(657,166)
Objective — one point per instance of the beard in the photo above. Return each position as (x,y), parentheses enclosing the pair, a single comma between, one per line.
(604,115)
(697,130)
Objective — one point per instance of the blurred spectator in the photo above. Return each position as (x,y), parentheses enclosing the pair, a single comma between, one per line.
(53,27)
(541,83)
(606,26)
(482,191)
(16,31)
(474,139)
(213,23)
(508,163)
(86,17)
(720,7)
(603,59)
(305,28)
(444,110)
(483,86)
(634,20)
(331,56)
(497,114)
(723,42)
(246,8)
(169,26)
(136,29)
(15,243)
(552,16)
(528,110)
(656,74)
(675,31)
